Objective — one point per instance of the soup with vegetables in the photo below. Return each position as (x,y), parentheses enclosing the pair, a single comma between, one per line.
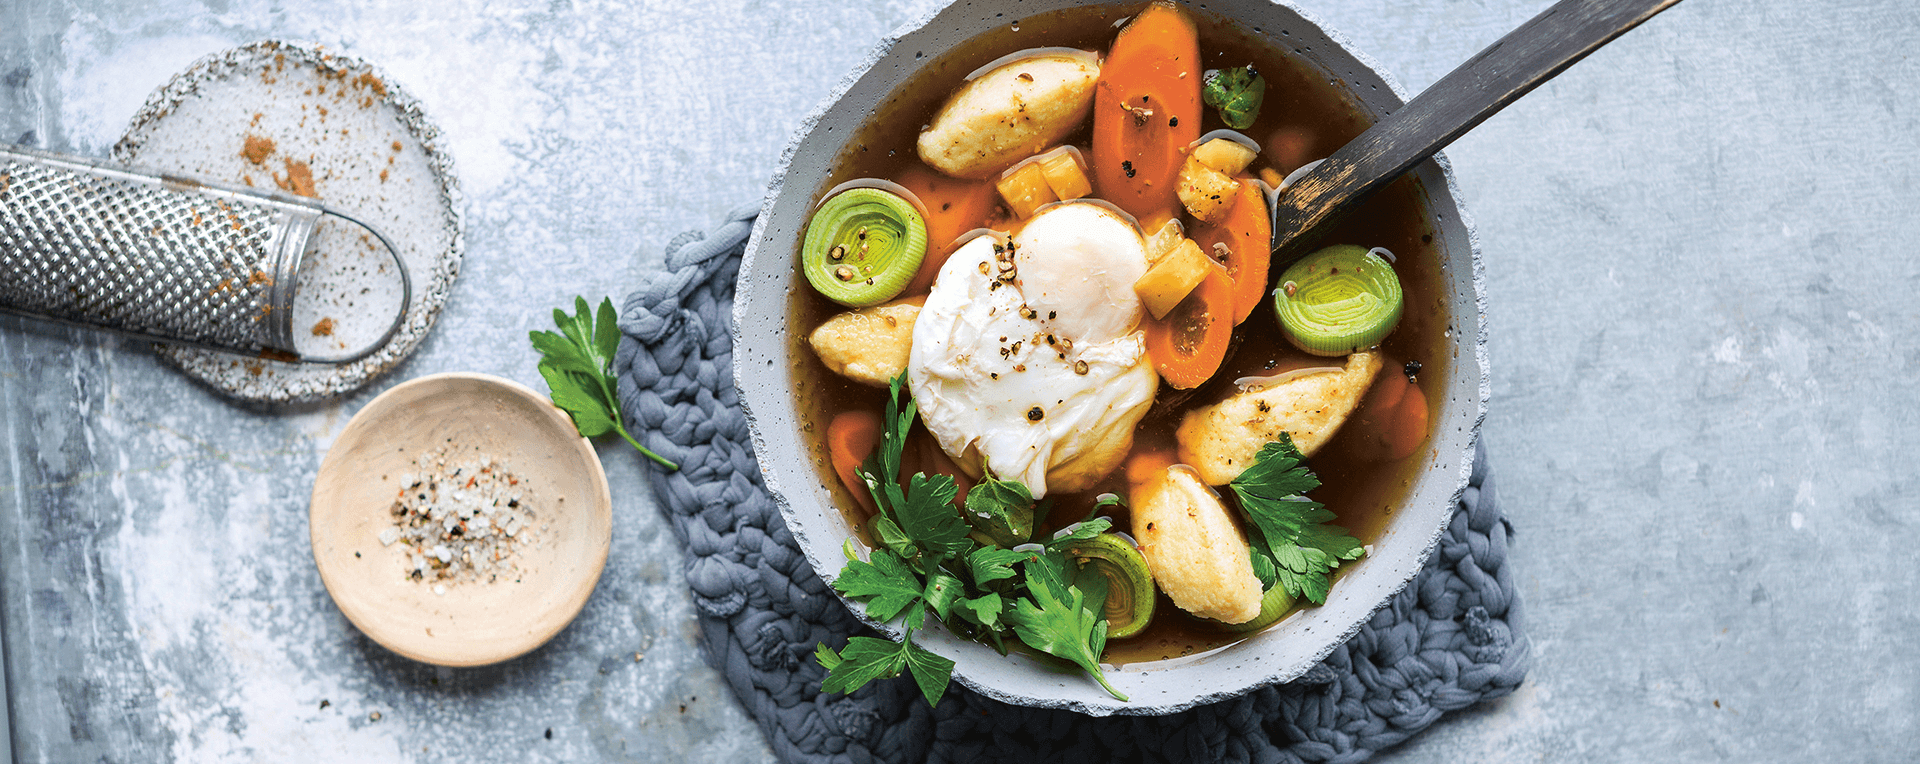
(1069,403)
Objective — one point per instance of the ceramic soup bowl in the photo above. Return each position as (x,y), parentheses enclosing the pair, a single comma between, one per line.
(779,380)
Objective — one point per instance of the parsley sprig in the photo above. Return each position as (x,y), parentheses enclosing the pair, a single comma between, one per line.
(1063,616)
(577,364)
(931,561)
(1294,539)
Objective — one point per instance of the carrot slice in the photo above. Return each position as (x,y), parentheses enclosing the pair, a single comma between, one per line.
(1247,234)
(1147,465)
(934,461)
(1391,422)
(1189,344)
(1407,424)
(954,207)
(851,436)
(1385,396)
(1146,110)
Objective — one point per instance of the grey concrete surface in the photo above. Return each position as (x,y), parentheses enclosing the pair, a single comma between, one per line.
(1698,246)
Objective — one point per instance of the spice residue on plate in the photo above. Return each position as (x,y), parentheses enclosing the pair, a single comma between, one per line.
(461,519)
(323,327)
(299,179)
(257,149)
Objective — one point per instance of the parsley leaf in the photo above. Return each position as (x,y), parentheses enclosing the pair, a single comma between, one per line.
(1236,92)
(983,610)
(1060,619)
(863,660)
(930,671)
(1001,509)
(992,564)
(942,591)
(886,584)
(923,512)
(577,364)
(919,528)
(881,470)
(1278,472)
(868,658)
(927,514)
(827,657)
(1295,532)
(1263,567)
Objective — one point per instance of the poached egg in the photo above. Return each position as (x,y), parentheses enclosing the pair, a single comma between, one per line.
(1027,361)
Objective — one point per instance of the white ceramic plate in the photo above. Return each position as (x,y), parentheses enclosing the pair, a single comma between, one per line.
(472,622)
(261,114)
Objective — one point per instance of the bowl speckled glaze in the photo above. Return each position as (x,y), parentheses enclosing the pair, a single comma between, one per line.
(765,366)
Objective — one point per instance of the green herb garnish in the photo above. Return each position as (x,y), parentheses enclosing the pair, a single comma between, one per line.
(867,658)
(887,585)
(577,363)
(1237,93)
(1294,539)
(1062,618)
(930,562)
(1002,510)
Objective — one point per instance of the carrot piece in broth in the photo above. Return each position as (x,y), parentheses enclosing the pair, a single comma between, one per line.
(954,207)
(1391,422)
(1247,234)
(929,458)
(851,436)
(1146,110)
(1189,345)
(1407,424)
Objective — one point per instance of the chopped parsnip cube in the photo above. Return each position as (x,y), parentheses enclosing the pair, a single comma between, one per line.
(1065,175)
(1165,237)
(1224,155)
(1272,177)
(1206,192)
(1169,281)
(1025,189)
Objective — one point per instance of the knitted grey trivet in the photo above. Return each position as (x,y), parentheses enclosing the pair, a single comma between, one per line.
(1451,639)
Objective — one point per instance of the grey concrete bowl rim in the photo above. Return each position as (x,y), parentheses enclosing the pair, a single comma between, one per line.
(756,355)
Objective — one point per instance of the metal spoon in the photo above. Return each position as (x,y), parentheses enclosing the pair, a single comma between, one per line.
(1513,65)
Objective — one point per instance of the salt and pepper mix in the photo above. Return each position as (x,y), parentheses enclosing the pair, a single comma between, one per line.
(462,520)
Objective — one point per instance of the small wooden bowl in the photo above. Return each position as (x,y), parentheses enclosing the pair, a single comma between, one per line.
(475,622)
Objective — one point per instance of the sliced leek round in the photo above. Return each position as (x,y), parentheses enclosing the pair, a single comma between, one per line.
(1129,606)
(1274,604)
(863,246)
(1338,300)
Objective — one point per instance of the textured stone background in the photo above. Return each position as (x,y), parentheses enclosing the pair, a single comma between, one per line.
(1698,250)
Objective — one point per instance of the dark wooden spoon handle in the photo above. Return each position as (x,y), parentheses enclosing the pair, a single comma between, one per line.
(1513,65)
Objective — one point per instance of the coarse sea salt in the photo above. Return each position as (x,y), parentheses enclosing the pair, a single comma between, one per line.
(461,519)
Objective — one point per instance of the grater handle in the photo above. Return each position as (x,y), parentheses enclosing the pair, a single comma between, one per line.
(160,257)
